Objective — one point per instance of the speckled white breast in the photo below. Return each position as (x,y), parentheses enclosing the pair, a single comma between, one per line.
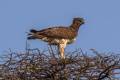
(71,40)
(57,41)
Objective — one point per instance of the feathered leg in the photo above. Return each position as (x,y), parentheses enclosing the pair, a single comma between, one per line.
(61,47)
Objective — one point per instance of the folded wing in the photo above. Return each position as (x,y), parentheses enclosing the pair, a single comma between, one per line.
(55,32)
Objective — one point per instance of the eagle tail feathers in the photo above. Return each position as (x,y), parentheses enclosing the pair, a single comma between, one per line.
(33,31)
(31,37)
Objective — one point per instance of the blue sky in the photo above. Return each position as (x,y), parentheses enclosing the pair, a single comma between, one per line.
(101,30)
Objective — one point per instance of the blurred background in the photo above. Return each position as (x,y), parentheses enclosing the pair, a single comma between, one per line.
(100,31)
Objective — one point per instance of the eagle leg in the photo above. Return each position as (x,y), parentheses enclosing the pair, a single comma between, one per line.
(61,47)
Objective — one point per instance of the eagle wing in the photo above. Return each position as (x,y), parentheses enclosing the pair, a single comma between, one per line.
(57,32)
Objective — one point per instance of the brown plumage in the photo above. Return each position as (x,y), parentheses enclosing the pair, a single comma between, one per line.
(58,35)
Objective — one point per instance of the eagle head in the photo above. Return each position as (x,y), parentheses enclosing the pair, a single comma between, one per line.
(78,20)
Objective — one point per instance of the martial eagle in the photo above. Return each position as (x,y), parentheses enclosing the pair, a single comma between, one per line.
(60,36)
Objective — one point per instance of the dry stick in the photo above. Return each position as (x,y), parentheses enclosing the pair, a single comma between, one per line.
(106,72)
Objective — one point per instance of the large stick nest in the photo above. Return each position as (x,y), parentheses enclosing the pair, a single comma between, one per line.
(46,65)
